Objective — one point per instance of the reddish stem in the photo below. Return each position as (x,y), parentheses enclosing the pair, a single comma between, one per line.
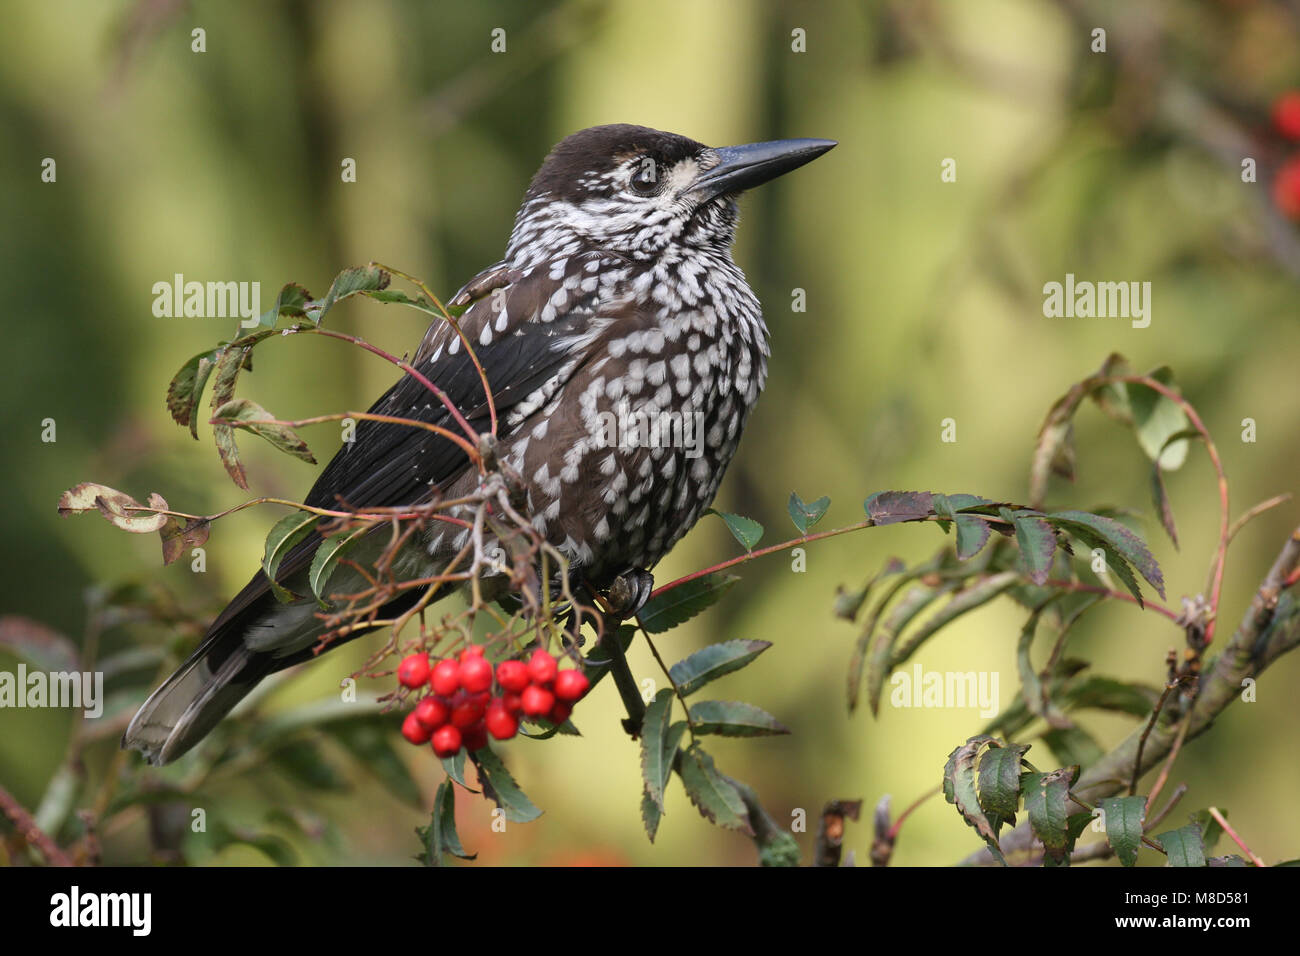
(1216,577)
(1107,592)
(732,562)
(29,831)
(409,370)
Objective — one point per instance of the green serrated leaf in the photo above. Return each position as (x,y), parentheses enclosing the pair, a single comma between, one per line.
(654,730)
(186,390)
(1160,499)
(960,790)
(746,530)
(454,767)
(943,510)
(228,364)
(177,537)
(254,418)
(730,718)
(1119,539)
(1036,540)
(1075,824)
(683,602)
(501,787)
(806,514)
(891,507)
(1054,448)
(1046,798)
(1183,846)
(291,302)
(1157,419)
(972,535)
(1115,564)
(549,730)
(397,297)
(651,816)
(327,557)
(440,835)
(349,282)
(998,782)
(1125,818)
(716,798)
(283,537)
(652,812)
(710,663)
(1211,829)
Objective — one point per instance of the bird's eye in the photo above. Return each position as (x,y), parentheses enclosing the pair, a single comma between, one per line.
(645,178)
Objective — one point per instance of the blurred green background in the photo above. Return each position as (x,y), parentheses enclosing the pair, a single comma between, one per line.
(924,302)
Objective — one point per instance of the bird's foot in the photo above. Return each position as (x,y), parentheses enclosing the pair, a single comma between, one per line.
(629,593)
(623,599)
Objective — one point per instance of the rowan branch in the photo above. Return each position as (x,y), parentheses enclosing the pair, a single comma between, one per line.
(1259,640)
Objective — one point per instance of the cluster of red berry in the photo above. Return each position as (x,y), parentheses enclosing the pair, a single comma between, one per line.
(461,710)
(1286,185)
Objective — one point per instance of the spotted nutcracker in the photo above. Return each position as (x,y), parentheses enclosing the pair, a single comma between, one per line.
(617,301)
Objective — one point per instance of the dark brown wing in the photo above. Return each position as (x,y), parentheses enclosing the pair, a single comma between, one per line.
(387,465)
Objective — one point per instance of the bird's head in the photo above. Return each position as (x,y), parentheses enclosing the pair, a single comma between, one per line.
(639,192)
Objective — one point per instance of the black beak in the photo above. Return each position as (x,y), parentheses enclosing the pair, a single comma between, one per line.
(743,167)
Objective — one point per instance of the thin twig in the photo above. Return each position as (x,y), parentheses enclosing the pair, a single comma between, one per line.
(1179,791)
(451,320)
(1169,761)
(1155,714)
(1232,835)
(406,367)
(1216,567)
(30,832)
(1255,512)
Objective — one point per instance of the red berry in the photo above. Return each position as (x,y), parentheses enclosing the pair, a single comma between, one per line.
(542,667)
(571,685)
(512,675)
(475,738)
(432,712)
(446,677)
(560,712)
(414,670)
(513,702)
(446,741)
(1286,114)
(501,724)
(1286,188)
(476,674)
(414,731)
(467,713)
(471,650)
(537,701)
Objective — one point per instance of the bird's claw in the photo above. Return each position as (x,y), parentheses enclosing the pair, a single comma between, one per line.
(629,593)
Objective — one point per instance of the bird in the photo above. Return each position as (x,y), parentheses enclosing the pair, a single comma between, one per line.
(617,299)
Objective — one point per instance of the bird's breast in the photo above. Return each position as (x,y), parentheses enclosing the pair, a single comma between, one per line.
(623,449)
